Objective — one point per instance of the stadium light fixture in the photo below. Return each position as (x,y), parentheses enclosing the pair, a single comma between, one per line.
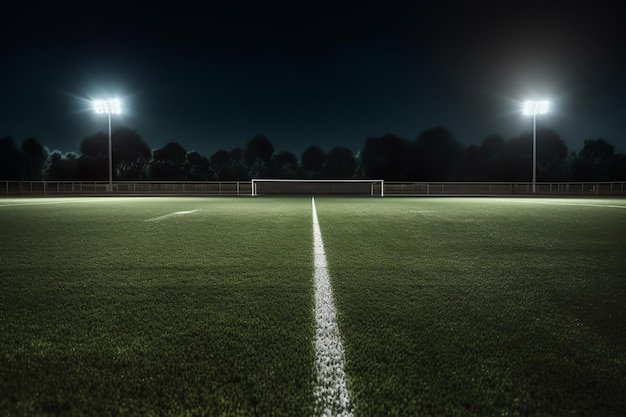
(109,107)
(533,108)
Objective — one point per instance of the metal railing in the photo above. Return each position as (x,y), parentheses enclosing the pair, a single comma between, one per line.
(506,188)
(125,187)
(244,188)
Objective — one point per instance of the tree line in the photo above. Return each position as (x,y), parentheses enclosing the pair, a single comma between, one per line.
(435,155)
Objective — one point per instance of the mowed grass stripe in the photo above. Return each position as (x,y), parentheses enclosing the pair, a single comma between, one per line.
(333,397)
(479,307)
(102,313)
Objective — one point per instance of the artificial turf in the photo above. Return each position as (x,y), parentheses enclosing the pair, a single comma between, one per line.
(107,312)
(480,307)
(449,306)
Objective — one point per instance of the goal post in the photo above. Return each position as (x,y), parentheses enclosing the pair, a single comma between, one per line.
(266,186)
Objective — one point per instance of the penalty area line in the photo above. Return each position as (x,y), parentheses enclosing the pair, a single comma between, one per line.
(331,393)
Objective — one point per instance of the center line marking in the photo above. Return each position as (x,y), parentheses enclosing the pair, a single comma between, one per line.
(331,392)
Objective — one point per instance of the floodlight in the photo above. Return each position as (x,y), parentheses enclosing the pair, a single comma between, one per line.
(109,107)
(536,107)
(533,108)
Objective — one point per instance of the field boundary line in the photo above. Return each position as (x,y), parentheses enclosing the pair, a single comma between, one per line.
(44,203)
(176,213)
(331,392)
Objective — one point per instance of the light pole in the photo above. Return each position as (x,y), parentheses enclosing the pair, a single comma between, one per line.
(534,108)
(110,107)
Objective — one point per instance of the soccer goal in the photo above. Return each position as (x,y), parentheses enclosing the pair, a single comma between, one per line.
(263,186)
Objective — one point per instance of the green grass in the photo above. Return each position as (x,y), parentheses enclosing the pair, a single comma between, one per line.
(209,313)
(480,307)
(446,306)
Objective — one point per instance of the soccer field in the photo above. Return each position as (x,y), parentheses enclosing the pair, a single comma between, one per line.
(207,306)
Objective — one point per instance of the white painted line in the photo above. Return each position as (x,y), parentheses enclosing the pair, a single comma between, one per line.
(42,201)
(331,392)
(176,213)
(186,212)
(52,201)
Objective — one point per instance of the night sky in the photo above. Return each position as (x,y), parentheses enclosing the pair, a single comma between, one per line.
(212,77)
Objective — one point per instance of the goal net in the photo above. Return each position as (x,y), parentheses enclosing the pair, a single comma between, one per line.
(262,186)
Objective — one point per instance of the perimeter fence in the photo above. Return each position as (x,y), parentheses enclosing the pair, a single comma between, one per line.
(505,188)
(51,188)
(244,188)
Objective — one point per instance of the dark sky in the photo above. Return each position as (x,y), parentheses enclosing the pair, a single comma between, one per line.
(303,73)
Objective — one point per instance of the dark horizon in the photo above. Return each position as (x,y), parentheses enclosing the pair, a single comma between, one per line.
(436,155)
(324,76)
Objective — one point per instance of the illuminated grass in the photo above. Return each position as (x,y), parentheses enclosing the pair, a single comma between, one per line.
(452,307)
(480,307)
(204,313)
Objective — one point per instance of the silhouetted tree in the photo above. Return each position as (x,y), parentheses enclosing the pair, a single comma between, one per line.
(238,169)
(593,161)
(435,156)
(340,163)
(220,164)
(439,155)
(229,166)
(62,167)
(10,159)
(35,156)
(313,159)
(617,168)
(197,167)
(519,158)
(473,162)
(388,158)
(92,168)
(96,145)
(130,154)
(93,163)
(257,153)
(551,156)
(168,163)
(487,161)
(284,165)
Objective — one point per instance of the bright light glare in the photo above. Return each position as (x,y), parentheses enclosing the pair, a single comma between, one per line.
(536,107)
(107,106)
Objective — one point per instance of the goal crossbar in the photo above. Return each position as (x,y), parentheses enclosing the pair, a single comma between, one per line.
(325,186)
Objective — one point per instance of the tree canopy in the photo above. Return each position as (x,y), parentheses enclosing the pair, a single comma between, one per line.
(435,155)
